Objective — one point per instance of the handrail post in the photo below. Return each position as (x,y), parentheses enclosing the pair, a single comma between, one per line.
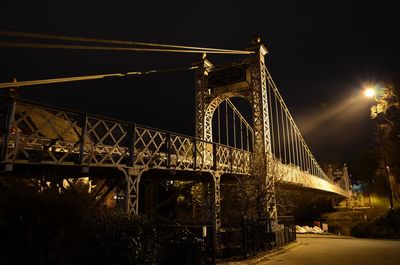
(8,127)
(194,154)
(168,144)
(214,145)
(83,125)
(132,146)
(231,153)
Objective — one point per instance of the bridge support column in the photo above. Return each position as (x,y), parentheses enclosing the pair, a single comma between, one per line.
(216,201)
(216,209)
(203,126)
(131,191)
(262,158)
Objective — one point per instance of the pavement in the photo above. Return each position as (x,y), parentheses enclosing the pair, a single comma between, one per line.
(261,257)
(310,249)
(264,256)
(328,236)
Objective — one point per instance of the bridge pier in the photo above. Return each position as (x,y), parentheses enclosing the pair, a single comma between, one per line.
(216,210)
(132,178)
(216,201)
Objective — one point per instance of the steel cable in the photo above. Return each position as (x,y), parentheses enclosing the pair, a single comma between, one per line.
(131,43)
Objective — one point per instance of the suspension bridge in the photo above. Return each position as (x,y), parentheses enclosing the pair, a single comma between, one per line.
(43,141)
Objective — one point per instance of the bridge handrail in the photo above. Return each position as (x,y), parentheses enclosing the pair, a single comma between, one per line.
(106,118)
(75,132)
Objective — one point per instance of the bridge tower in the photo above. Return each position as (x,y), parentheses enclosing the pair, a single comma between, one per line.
(245,79)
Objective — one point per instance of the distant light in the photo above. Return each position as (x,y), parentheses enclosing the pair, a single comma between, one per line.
(369,92)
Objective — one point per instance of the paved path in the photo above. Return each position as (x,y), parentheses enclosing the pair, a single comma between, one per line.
(319,250)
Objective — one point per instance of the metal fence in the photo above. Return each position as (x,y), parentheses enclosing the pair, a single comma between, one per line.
(109,241)
(248,237)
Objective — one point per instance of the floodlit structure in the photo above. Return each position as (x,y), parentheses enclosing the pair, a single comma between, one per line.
(48,141)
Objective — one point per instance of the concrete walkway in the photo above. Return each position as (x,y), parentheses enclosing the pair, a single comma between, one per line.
(329,250)
(260,258)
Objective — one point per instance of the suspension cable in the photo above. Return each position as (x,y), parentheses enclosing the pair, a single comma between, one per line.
(226,122)
(272,132)
(89,77)
(131,43)
(241,134)
(278,129)
(283,134)
(234,129)
(292,144)
(105,48)
(239,114)
(283,105)
(297,149)
(219,124)
(288,140)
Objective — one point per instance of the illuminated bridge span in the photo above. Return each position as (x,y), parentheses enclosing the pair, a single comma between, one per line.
(268,147)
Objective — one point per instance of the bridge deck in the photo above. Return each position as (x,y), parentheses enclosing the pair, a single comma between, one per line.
(35,134)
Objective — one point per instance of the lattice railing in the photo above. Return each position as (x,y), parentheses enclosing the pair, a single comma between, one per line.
(41,134)
(294,175)
(182,152)
(38,134)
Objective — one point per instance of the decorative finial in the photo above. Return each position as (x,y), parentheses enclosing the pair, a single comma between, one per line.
(256,39)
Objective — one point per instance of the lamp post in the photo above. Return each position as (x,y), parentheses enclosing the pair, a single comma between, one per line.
(371,93)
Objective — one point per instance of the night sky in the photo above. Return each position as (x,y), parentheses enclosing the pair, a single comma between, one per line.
(320,55)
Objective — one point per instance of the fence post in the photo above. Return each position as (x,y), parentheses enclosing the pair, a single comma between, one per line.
(244,239)
(213,242)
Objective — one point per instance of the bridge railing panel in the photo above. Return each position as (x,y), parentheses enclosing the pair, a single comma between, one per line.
(181,152)
(223,158)
(105,142)
(240,161)
(232,160)
(204,155)
(41,134)
(150,148)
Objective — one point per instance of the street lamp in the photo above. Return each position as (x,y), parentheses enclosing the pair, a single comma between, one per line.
(371,93)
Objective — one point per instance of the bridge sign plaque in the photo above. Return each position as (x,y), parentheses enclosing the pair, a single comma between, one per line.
(236,76)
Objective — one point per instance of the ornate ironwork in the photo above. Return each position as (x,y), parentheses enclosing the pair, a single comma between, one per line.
(34,134)
(254,89)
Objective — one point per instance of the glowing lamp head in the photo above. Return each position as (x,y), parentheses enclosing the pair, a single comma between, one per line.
(369,92)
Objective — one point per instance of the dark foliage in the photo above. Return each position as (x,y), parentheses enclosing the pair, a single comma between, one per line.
(52,227)
(387,226)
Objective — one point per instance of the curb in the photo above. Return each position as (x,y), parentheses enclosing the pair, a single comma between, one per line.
(263,256)
(324,236)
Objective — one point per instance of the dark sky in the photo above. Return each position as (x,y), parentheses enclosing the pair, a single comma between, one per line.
(320,54)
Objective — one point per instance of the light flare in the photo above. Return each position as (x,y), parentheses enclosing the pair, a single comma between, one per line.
(369,92)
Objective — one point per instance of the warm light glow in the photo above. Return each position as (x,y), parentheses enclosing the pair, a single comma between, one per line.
(369,92)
